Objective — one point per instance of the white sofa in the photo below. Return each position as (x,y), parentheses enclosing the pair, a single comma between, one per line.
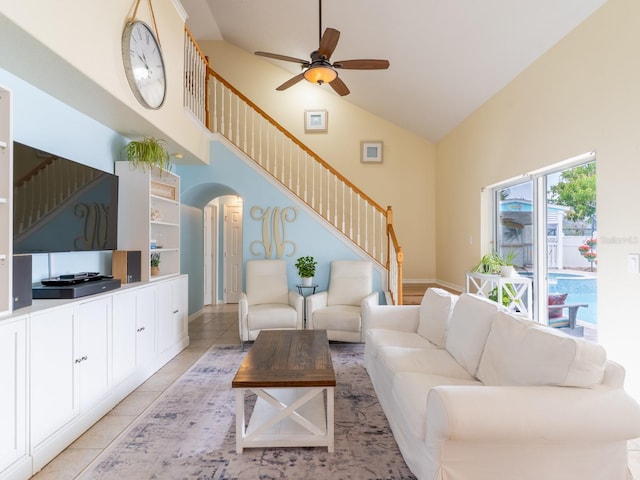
(473,392)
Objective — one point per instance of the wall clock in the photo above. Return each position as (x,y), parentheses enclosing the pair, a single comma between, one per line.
(143,64)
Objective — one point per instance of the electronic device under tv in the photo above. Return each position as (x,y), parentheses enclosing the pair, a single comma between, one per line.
(60,205)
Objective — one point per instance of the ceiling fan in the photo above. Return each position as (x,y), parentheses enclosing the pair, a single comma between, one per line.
(319,69)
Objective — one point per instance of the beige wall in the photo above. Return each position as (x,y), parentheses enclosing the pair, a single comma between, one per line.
(405,180)
(583,95)
(73,51)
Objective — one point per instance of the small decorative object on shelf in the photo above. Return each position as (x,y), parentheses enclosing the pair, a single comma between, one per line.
(306,269)
(156,215)
(155,264)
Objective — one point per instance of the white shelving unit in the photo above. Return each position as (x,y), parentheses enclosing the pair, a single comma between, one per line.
(149,217)
(6,205)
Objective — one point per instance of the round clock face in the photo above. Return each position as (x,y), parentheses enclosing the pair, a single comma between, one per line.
(143,64)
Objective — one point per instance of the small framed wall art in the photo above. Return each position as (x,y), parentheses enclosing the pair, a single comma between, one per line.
(315,121)
(371,151)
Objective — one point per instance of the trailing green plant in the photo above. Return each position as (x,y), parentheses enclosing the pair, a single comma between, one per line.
(155,259)
(306,266)
(491,263)
(148,152)
(508,292)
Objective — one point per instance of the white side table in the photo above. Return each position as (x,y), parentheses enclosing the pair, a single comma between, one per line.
(519,294)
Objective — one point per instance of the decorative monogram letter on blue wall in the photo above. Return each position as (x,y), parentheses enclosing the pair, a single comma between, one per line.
(274,231)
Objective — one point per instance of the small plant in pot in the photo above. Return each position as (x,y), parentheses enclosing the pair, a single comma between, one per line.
(148,153)
(495,264)
(155,264)
(306,269)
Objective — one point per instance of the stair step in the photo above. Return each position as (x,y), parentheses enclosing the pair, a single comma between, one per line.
(412,293)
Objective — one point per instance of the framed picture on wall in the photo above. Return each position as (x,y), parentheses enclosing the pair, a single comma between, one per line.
(315,121)
(371,151)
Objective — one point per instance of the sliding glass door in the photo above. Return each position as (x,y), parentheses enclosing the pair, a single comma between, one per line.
(545,224)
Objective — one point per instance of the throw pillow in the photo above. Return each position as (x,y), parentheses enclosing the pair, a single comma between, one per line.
(556,299)
(522,352)
(468,329)
(435,312)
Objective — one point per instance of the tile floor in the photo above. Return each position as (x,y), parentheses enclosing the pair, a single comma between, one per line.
(217,325)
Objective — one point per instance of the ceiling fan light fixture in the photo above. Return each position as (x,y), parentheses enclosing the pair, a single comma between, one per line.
(320,74)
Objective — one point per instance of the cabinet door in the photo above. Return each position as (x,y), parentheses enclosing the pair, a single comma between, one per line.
(52,374)
(164,315)
(171,312)
(13,394)
(124,335)
(145,325)
(92,354)
(180,290)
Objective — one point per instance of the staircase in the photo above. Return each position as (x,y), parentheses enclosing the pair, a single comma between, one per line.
(314,181)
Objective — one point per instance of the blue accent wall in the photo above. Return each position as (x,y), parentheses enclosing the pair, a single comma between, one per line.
(305,235)
(44,122)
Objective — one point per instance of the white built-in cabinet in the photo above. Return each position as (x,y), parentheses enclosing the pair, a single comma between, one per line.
(172,319)
(13,394)
(66,363)
(6,194)
(54,395)
(133,331)
(149,217)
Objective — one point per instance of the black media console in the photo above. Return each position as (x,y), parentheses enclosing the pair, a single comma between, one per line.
(75,285)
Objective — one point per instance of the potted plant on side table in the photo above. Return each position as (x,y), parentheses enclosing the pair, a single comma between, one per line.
(495,264)
(306,269)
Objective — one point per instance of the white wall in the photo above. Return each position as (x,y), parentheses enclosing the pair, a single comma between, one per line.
(581,96)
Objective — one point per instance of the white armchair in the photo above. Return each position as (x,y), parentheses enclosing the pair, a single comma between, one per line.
(268,303)
(341,309)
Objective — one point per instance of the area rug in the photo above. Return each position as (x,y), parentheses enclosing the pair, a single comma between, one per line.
(189,432)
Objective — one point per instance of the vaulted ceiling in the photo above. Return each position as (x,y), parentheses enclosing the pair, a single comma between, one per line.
(447,56)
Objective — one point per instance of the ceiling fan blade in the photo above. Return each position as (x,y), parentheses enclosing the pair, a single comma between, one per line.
(339,86)
(328,42)
(291,82)
(362,64)
(283,57)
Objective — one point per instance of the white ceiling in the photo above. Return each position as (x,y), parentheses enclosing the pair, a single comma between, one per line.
(447,56)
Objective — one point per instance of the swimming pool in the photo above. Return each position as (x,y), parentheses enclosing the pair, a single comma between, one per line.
(580,289)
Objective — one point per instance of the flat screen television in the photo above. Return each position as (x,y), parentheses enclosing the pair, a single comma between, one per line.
(60,205)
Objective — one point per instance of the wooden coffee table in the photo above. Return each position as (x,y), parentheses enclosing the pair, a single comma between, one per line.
(292,374)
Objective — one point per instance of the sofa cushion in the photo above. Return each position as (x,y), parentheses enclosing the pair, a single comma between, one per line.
(350,282)
(394,360)
(468,329)
(522,352)
(435,312)
(337,317)
(378,337)
(410,390)
(269,315)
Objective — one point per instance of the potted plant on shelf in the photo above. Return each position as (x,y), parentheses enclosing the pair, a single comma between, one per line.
(149,152)
(306,269)
(155,264)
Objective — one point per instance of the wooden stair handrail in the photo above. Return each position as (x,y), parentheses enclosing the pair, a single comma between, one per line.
(291,137)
